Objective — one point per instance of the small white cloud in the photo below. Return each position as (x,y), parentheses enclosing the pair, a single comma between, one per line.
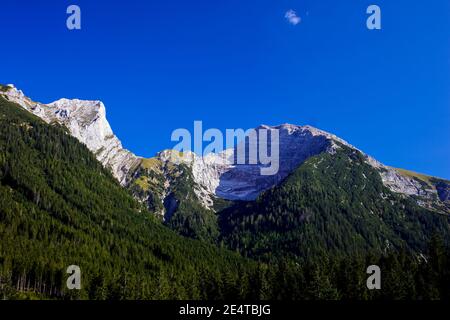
(292,17)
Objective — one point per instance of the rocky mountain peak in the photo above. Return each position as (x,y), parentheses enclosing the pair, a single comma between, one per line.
(229,180)
(86,121)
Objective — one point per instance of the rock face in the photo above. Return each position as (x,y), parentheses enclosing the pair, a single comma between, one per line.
(214,175)
(218,175)
(221,175)
(86,121)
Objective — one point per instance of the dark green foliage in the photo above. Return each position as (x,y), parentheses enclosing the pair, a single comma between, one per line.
(192,220)
(403,277)
(331,205)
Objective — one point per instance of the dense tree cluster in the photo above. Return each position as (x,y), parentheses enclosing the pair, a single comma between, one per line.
(403,276)
(331,205)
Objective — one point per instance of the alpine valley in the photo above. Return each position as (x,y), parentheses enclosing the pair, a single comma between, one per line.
(192,227)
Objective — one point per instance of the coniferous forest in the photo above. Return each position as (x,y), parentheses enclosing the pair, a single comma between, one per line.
(59,207)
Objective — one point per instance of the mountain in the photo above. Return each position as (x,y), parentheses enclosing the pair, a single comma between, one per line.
(59,207)
(231,181)
(307,233)
(86,121)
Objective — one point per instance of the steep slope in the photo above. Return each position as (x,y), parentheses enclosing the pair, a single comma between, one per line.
(166,189)
(332,204)
(86,121)
(169,189)
(59,206)
(437,196)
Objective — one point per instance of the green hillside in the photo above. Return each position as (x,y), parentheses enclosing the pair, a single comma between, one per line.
(332,204)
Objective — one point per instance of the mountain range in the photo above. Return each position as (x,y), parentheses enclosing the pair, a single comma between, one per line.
(212,178)
(328,200)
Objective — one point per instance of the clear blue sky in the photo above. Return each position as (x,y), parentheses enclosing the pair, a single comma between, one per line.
(159,65)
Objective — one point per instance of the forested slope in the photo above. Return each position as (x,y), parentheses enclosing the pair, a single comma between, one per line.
(333,204)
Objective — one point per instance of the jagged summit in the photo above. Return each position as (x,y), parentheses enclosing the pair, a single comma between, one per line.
(86,121)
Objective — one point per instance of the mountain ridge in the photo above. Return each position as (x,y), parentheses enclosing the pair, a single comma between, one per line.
(86,120)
